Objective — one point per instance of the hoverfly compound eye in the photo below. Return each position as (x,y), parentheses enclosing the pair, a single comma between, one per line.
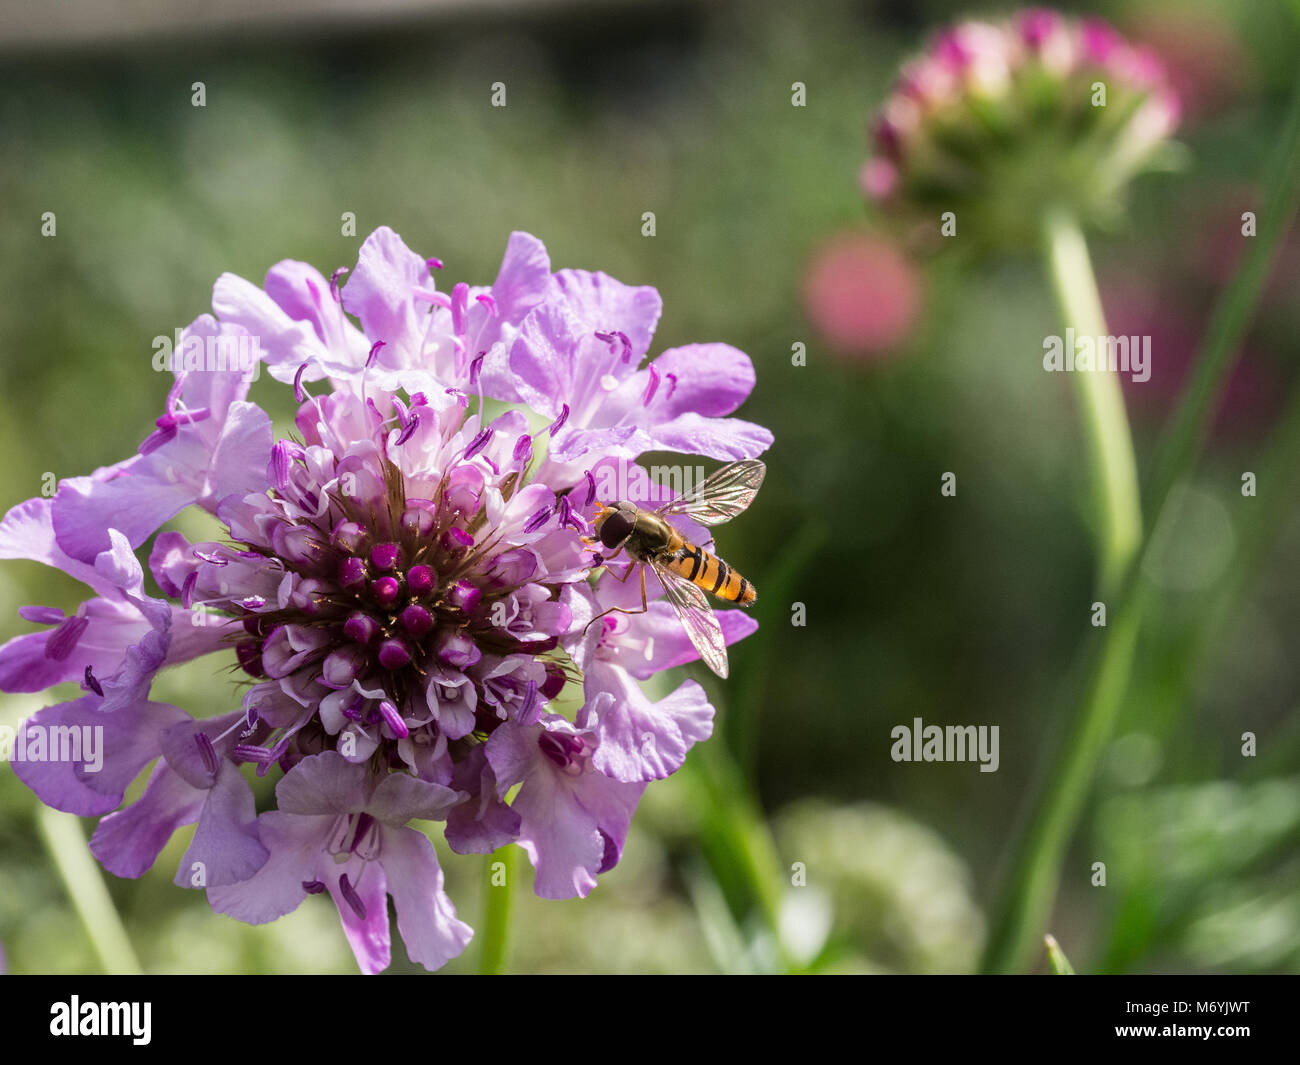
(616,528)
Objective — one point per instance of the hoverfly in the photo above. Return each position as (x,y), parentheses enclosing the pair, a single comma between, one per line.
(682,567)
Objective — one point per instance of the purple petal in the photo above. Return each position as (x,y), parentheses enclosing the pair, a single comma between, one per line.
(324,783)
(368,933)
(602,303)
(380,292)
(128,842)
(128,740)
(712,379)
(715,438)
(638,739)
(297,847)
(426,919)
(400,798)
(226,841)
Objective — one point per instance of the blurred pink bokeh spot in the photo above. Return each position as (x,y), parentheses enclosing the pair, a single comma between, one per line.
(862,294)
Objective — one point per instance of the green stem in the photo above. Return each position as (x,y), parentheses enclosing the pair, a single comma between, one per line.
(498,890)
(1035,871)
(66,844)
(1101,404)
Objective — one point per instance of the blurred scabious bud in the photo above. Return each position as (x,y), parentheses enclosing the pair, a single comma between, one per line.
(996,121)
(863,295)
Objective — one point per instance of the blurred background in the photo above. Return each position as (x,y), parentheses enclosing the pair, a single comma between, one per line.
(964,610)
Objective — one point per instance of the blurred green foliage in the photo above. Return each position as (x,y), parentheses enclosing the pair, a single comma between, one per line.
(962,610)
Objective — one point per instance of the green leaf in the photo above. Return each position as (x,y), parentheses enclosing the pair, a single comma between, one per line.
(1056,957)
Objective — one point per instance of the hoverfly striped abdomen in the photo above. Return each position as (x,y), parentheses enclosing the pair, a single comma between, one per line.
(707,571)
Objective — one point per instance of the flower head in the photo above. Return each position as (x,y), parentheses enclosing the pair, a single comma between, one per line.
(997,121)
(401,581)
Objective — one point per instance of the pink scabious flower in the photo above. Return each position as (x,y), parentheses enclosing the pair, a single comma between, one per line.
(997,120)
(402,581)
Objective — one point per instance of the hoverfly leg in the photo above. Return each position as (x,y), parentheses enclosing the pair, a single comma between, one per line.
(620,609)
(626,573)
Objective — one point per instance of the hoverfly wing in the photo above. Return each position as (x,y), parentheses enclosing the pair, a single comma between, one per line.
(696,616)
(720,496)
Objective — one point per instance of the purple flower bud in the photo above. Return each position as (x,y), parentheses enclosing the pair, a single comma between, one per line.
(394,654)
(360,627)
(349,536)
(307,597)
(341,667)
(462,498)
(457,539)
(457,649)
(385,556)
(464,595)
(416,620)
(421,580)
(352,572)
(298,545)
(418,520)
(385,591)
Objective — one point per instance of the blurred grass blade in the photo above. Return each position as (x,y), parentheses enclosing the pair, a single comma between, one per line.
(736,842)
(739,726)
(722,936)
(66,844)
(1187,429)
(1056,958)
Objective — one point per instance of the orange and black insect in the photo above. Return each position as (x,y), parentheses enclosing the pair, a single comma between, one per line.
(686,570)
